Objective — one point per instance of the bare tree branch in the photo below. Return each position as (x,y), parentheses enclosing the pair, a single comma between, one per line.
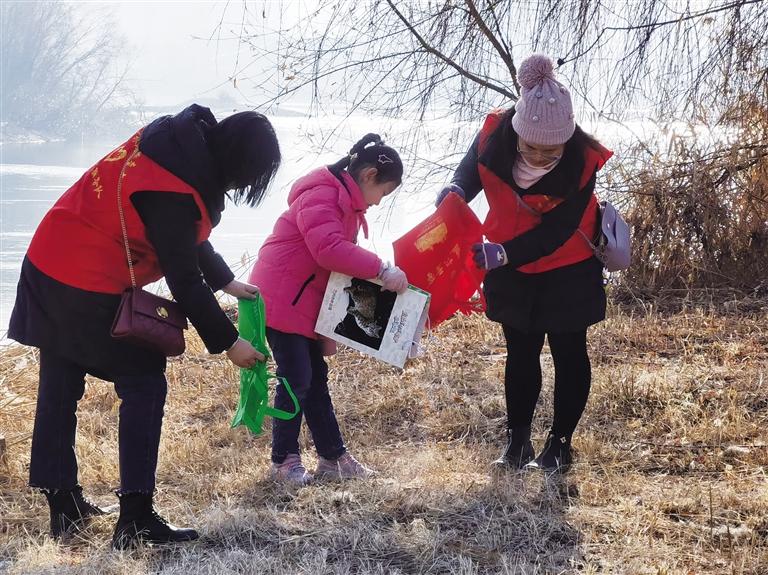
(466,73)
(505,55)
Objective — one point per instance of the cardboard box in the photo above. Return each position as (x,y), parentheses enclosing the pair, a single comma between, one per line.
(382,324)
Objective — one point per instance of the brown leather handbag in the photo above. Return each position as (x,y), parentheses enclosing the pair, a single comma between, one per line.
(143,318)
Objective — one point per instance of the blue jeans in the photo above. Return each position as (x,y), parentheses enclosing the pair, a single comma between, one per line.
(300,361)
(53,463)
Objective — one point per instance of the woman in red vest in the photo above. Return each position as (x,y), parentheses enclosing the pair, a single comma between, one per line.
(538,169)
(174,177)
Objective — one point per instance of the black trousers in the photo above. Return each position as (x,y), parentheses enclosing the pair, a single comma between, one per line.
(300,361)
(573,376)
(53,463)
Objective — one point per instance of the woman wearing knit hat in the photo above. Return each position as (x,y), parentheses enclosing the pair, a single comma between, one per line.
(538,170)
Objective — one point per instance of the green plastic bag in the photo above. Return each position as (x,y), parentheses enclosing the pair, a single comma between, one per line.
(253,405)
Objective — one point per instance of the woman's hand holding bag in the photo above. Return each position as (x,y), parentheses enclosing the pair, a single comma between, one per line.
(241,290)
(244,355)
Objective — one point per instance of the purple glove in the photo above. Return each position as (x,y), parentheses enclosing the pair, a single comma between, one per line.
(489,256)
(447,190)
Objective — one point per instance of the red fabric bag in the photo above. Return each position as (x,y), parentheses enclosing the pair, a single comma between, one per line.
(436,256)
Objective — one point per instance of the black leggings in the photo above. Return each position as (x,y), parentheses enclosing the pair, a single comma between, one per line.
(522,378)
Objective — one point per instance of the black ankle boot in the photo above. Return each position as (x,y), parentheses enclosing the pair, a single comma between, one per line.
(70,511)
(556,455)
(519,449)
(140,523)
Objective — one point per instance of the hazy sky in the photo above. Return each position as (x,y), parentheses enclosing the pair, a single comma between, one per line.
(172,58)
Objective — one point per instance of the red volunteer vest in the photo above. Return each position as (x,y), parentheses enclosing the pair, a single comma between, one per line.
(80,242)
(507,218)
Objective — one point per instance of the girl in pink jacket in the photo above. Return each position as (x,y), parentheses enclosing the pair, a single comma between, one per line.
(315,236)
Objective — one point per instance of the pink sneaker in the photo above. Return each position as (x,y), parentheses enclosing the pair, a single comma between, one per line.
(345,467)
(290,471)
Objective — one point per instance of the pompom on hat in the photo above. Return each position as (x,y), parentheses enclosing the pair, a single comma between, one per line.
(544,112)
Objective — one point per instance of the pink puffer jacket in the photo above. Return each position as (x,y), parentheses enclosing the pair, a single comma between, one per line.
(315,236)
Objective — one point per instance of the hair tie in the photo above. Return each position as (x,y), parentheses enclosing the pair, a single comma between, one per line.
(384,159)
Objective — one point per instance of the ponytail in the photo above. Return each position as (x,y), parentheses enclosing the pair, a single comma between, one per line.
(389,167)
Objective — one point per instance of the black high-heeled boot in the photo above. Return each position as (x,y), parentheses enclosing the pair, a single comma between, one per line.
(519,449)
(556,455)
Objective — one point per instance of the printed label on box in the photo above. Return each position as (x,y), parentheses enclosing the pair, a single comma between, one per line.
(363,316)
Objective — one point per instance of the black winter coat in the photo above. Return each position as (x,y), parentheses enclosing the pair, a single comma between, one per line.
(565,299)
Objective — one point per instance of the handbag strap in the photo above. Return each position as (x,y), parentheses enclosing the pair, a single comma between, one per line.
(586,239)
(122,215)
(521,203)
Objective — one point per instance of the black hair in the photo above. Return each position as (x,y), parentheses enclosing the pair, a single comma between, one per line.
(502,145)
(247,153)
(389,167)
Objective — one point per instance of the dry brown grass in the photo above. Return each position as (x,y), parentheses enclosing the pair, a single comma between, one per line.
(671,475)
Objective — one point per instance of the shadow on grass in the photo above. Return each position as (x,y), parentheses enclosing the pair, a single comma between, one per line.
(514,524)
